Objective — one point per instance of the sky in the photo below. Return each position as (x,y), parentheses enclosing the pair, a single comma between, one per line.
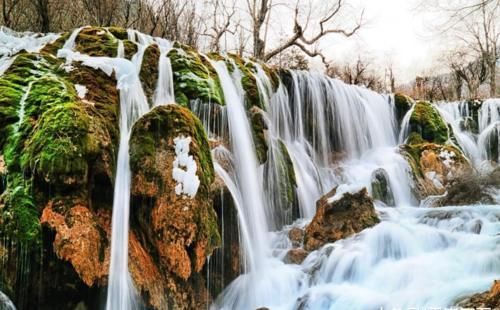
(396,31)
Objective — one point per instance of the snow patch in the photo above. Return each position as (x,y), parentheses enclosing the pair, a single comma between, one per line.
(345,188)
(184,168)
(81,90)
(448,157)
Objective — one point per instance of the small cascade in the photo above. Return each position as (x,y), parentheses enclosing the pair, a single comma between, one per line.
(479,146)
(245,162)
(165,87)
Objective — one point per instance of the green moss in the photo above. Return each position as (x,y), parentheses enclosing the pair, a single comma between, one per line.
(130,49)
(259,126)
(287,180)
(426,121)
(402,104)
(119,33)
(168,122)
(19,214)
(149,70)
(194,77)
(52,48)
(248,82)
(96,41)
(48,151)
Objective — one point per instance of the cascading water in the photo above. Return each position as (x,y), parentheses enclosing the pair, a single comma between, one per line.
(133,104)
(245,162)
(382,267)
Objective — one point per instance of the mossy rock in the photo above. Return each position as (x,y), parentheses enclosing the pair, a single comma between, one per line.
(194,77)
(52,48)
(259,127)
(60,138)
(402,104)
(428,123)
(118,32)
(433,167)
(149,70)
(96,41)
(248,82)
(184,228)
(166,123)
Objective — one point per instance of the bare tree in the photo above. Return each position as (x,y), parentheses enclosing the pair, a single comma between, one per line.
(9,12)
(476,24)
(221,22)
(260,11)
(357,73)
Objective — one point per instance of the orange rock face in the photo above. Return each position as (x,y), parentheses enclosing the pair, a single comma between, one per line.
(339,219)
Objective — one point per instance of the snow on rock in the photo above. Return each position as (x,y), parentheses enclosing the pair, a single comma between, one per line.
(448,157)
(345,188)
(184,168)
(81,90)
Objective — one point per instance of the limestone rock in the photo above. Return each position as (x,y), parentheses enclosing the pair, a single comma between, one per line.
(381,188)
(335,220)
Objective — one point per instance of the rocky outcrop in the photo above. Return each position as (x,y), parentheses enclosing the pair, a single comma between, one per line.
(179,228)
(402,104)
(339,218)
(426,125)
(486,300)
(381,188)
(57,169)
(433,167)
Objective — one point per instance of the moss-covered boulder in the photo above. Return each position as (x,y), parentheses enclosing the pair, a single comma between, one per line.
(403,104)
(427,125)
(339,217)
(194,77)
(258,125)
(149,70)
(181,228)
(433,167)
(58,151)
(381,187)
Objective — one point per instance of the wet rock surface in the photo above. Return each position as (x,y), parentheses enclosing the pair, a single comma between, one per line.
(335,220)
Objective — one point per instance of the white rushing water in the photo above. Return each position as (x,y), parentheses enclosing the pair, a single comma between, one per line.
(416,257)
(335,135)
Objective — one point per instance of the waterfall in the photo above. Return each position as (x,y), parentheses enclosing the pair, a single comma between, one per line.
(245,162)
(476,146)
(133,104)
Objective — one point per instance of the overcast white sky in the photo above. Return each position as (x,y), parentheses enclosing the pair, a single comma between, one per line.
(396,31)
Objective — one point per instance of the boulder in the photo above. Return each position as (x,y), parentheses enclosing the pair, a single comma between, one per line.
(427,125)
(381,188)
(433,167)
(402,104)
(172,173)
(296,236)
(486,300)
(340,218)
(296,256)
